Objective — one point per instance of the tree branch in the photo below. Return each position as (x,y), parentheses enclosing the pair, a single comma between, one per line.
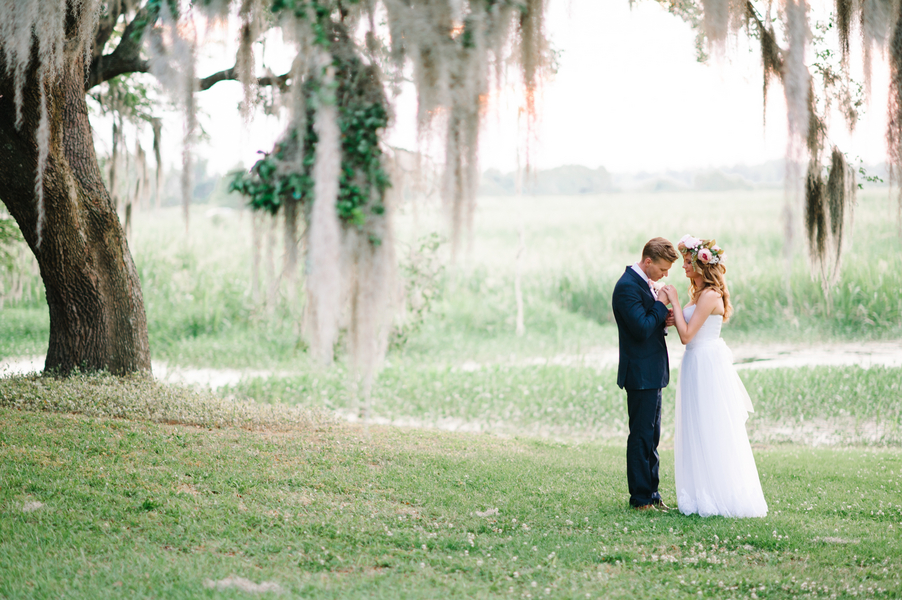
(126,58)
(106,26)
(232,75)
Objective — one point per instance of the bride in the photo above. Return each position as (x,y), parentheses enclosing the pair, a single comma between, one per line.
(714,467)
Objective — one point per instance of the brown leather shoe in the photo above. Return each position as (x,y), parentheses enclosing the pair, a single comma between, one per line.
(644,507)
(661,506)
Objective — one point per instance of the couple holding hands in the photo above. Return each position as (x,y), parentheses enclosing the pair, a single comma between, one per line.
(714,468)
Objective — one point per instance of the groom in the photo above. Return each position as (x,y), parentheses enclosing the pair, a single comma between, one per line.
(642,317)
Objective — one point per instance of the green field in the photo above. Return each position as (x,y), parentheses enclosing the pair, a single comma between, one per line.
(97,508)
(127,488)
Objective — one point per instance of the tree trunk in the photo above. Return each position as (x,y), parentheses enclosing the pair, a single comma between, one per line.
(97,318)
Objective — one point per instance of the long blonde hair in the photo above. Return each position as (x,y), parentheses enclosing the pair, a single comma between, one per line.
(714,277)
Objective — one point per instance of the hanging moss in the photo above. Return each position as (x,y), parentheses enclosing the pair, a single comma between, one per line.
(796,79)
(894,118)
(828,206)
(362,115)
(817,128)
(38,30)
(716,20)
(877,17)
(839,193)
(771,59)
(815,211)
(843,16)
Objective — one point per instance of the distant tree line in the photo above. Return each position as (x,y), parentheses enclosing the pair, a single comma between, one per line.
(575,180)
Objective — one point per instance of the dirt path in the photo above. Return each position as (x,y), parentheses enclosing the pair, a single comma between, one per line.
(203,377)
(759,356)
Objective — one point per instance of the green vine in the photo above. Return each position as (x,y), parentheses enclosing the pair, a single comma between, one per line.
(362,115)
(268,189)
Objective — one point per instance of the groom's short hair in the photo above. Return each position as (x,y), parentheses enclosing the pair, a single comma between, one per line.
(660,249)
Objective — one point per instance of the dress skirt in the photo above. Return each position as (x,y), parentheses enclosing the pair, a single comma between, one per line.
(714,467)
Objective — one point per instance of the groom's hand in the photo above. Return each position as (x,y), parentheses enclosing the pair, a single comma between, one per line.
(663,297)
(670,320)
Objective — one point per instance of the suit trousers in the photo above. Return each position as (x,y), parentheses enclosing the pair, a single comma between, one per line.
(644,408)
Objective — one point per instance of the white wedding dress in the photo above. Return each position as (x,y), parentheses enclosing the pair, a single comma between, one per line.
(714,467)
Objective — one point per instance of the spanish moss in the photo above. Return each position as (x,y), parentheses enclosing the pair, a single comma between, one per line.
(244,63)
(877,17)
(844,11)
(841,193)
(816,211)
(771,57)
(717,21)
(157,126)
(796,79)
(324,276)
(43,23)
(173,55)
(894,117)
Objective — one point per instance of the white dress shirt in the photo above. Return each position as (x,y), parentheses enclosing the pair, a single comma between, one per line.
(651,286)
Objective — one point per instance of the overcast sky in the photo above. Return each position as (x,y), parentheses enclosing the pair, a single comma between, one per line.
(629,95)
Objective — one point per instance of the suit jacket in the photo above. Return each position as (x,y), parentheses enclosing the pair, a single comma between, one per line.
(644,364)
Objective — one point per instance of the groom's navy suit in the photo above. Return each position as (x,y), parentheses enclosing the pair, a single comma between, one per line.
(644,369)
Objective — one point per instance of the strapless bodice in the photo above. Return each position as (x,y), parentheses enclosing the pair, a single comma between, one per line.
(710,330)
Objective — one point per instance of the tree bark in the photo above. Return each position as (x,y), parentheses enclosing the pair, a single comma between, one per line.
(97,319)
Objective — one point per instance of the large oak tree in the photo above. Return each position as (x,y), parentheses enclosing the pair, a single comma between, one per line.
(52,52)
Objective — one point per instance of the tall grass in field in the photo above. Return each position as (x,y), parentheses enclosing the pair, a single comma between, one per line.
(202,309)
(202,305)
(579,246)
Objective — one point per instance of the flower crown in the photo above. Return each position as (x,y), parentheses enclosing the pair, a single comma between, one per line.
(705,251)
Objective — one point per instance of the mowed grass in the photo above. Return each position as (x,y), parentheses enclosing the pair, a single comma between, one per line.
(106,508)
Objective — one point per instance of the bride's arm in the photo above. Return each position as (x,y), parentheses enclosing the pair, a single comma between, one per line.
(705,305)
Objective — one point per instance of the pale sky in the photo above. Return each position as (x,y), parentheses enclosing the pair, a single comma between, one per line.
(629,95)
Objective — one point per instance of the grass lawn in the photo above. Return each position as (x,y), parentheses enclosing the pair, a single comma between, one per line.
(93,507)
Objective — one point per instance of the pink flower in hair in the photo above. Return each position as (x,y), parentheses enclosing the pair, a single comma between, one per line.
(691,243)
(705,255)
